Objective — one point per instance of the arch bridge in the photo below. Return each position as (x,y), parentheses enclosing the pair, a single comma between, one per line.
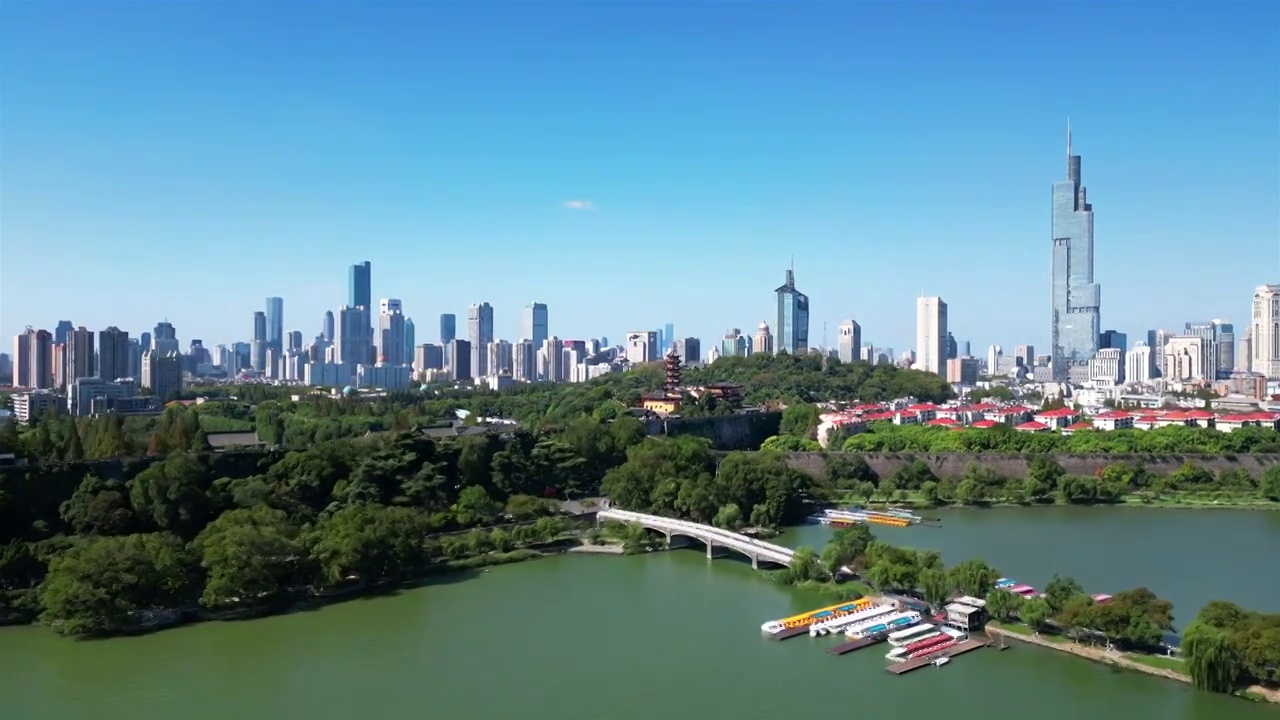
(713,537)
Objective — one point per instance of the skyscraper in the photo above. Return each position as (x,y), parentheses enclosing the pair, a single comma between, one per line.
(391,343)
(80,355)
(1265,333)
(534,325)
(63,329)
(275,324)
(351,336)
(1077,299)
(327,330)
(410,334)
(762,343)
(792,330)
(360,285)
(448,328)
(166,338)
(113,354)
(668,336)
(479,335)
(931,335)
(849,343)
(259,344)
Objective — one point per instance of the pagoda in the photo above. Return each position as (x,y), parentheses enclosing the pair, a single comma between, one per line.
(673,372)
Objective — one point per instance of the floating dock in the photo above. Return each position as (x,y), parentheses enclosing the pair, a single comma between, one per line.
(848,647)
(917,663)
(790,633)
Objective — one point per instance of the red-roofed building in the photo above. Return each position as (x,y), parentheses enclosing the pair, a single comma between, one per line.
(1147,421)
(878,416)
(942,422)
(1010,415)
(1071,429)
(984,424)
(1227,423)
(1188,418)
(925,411)
(1057,418)
(1113,420)
(1031,426)
(906,417)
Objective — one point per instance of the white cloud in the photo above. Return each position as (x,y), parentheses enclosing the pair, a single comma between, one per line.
(578,205)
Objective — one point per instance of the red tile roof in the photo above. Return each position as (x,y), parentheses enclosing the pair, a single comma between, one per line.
(923,407)
(1057,413)
(1031,426)
(947,422)
(983,407)
(1114,415)
(1013,410)
(983,424)
(1080,426)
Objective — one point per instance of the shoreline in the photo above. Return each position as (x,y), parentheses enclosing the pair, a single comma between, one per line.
(1259,505)
(1122,660)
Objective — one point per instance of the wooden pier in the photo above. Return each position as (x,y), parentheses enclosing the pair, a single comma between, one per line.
(848,647)
(791,632)
(908,665)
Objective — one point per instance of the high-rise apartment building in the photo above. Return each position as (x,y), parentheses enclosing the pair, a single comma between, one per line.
(351,338)
(1224,335)
(391,341)
(479,335)
(690,350)
(534,323)
(733,344)
(80,355)
(460,352)
(1183,355)
(1107,366)
(33,359)
(551,358)
(524,363)
(500,357)
(113,354)
(642,346)
(428,356)
(792,330)
(62,330)
(162,373)
(849,341)
(931,335)
(1265,332)
(275,323)
(1077,299)
(448,332)
(761,343)
(1137,364)
(1024,356)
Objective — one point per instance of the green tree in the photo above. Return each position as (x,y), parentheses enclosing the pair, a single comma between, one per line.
(1212,660)
(729,517)
(1003,605)
(249,555)
(1270,485)
(1060,591)
(1035,612)
(973,577)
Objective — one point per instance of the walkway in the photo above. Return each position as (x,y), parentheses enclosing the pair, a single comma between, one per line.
(713,537)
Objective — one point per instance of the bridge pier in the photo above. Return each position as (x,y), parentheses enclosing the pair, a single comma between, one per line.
(755,562)
(711,550)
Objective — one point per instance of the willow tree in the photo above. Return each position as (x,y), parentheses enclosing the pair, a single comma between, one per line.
(1211,658)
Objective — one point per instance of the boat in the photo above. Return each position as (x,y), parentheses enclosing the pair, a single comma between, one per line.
(838,623)
(910,635)
(939,662)
(773,627)
(888,623)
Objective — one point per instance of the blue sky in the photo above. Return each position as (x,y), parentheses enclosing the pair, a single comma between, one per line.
(188,159)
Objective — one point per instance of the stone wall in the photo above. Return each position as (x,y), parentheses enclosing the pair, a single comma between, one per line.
(741,431)
(1010,465)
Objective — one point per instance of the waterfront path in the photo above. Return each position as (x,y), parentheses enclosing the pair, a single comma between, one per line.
(713,537)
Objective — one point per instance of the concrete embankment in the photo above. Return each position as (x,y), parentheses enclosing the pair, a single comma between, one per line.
(597,549)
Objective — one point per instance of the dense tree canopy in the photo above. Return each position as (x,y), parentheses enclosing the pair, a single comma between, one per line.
(1226,646)
(888,437)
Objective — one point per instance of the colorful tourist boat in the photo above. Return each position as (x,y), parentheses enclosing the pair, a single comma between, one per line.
(773,627)
(878,626)
(839,623)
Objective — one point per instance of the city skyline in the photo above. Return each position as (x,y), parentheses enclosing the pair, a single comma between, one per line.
(876,200)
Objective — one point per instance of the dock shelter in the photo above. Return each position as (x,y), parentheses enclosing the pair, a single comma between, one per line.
(965,617)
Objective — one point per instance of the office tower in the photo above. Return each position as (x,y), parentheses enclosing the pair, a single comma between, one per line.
(460,352)
(1024,356)
(1244,352)
(1182,358)
(113,354)
(6,367)
(793,317)
(524,363)
(500,357)
(479,335)
(1208,334)
(360,285)
(1265,331)
(849,341)
(642,346)
(22,358)
(1107,366)
(295,341)
(952,347)
(166,338)
(931,335)
(1224,334)
(275,323)
(668,336)
(410,334)
(1137,364)
(144,341)
(391,332)
(965,348)
(448,328)
(1077,299)
(1114,339)
(994,353)
(259,325)
(327,328)
(259,342)
(351,339)
(428,357)
(733,344)
(162,373)
(762,343)
(534,323)
(690,350)
(63,329)
(80,355)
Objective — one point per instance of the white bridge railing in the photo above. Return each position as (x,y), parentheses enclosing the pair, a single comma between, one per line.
(706,533)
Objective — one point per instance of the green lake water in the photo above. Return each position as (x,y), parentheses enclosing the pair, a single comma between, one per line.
(663,635)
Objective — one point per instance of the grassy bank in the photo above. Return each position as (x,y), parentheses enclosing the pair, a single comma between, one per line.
(1163,666)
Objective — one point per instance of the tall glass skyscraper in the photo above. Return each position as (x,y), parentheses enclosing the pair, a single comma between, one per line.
(1077,299)
(360,285)
(534,323)
(793,318)
(275,324)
